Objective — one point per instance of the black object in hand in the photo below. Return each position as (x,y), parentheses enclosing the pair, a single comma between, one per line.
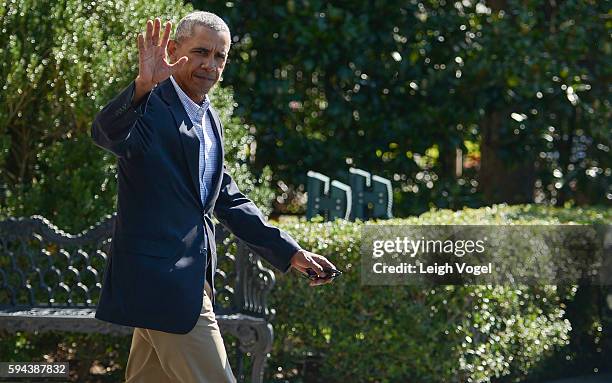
(330,274)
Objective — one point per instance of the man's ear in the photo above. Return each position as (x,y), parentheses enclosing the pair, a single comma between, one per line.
(172,50)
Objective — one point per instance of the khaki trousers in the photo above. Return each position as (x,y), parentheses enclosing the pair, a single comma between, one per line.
(196,357)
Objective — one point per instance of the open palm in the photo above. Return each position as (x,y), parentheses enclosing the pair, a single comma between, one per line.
(153,66)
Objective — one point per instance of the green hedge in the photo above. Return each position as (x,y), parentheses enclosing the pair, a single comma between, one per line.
(406,333)
(355,333)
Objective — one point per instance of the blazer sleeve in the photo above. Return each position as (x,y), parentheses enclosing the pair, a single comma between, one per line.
(240,215)
(119,128)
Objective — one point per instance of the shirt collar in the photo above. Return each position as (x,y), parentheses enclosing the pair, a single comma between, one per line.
(185,99)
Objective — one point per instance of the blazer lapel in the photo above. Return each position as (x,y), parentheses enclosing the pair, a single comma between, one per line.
(219,169)
(189,139)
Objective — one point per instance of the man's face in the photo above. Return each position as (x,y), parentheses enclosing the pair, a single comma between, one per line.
(207,51)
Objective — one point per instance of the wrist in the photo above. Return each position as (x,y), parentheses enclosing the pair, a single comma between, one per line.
(143,85)
(295,256)
(141,88)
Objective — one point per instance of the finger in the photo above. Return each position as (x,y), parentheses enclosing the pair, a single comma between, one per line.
(320,282)
(149,34)
(317,268)
(179,63)
(314,283)
(156,28)
(166,36)
(300,269)
(140,43)
(326,263)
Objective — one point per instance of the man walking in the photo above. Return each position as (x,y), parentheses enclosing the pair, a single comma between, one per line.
(171,179)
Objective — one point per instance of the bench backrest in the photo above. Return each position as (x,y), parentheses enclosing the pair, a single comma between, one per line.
(42,266)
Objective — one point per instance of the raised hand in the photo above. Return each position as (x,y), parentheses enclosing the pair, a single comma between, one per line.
(153,66)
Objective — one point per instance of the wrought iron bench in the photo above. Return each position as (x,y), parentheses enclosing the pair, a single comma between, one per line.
(51,280)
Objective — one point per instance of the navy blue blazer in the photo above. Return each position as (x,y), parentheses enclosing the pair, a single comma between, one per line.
(163,236)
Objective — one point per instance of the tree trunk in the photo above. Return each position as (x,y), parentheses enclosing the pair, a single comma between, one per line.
(509,180)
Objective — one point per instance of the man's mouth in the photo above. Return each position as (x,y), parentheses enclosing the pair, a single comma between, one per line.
(203,77)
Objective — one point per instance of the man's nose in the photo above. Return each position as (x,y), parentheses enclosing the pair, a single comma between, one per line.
(209,63)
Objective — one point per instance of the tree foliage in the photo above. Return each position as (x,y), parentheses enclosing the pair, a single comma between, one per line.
(63,61)
(520,87)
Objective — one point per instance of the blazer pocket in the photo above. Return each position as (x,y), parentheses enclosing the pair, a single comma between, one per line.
(147,247)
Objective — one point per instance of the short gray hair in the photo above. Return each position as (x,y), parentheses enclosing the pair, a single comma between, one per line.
(185,27)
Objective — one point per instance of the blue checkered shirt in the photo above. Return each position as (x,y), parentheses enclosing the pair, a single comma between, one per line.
(208,144)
